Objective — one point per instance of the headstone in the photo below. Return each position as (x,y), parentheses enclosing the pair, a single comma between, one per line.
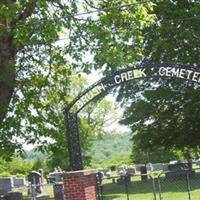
(138,166)
(165,167)
(19,182)
(58,177)
(6,185)
(101,174)
(55,177)
(51,179)
(121,170)
(179,170)
(13,196)
(149,167)
(177,167)
(197,162)
(143,171)
(173,162)
(131,171)
(107,173)
(157,167)
(36,179)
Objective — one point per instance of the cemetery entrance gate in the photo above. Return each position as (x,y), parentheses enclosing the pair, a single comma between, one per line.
(105,85)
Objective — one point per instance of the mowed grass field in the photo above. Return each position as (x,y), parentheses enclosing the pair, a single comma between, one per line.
(172,189)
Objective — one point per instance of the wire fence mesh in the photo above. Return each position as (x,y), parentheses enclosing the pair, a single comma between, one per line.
(173,184)
(31,191)
(194,184)
(182,184)
(127,187)
(53,191)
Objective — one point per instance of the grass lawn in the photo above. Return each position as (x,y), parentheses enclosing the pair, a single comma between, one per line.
(48,190)
(172,189)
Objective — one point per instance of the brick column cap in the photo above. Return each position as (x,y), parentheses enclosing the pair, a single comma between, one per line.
(80,173)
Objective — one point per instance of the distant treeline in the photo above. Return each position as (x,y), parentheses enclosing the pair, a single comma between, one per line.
(111,150)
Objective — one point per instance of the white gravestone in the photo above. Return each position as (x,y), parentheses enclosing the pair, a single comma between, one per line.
(19,182)
(6,185)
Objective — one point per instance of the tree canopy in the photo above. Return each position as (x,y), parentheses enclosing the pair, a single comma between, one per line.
(165,113)
(38,74)
(28,30)
(36,70)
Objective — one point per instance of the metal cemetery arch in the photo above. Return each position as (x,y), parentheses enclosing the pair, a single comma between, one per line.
(188,73)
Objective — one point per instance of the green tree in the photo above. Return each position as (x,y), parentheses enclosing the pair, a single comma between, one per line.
(114,149)
(115,39)
(34,82)
(167,115)
(159,155)
(174,36)
(165,120)
(92,125)
(48,121)
(28,31)
(16,167)
(40,164)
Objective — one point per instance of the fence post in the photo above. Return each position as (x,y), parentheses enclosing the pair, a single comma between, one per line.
(99,186)
(32,192)
(159,188)
(188,184)
(126,177)
(154,186)
(58,190)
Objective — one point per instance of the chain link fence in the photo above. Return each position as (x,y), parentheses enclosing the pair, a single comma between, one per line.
(183,184)
(141,187)
(54,191)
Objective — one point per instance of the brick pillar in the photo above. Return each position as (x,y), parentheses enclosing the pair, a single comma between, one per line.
(80,185)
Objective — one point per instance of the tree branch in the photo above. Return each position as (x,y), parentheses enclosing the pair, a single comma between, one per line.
(26,12)
(91,5)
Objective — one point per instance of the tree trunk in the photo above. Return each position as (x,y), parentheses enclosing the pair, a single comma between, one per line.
(8,53)
(7,72)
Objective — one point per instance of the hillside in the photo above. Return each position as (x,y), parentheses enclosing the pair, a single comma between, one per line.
(112,149)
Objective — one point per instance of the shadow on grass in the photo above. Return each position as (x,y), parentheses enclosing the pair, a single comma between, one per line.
(112,197)
(113,191)
(180,184)
(134,187)
(177,187)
